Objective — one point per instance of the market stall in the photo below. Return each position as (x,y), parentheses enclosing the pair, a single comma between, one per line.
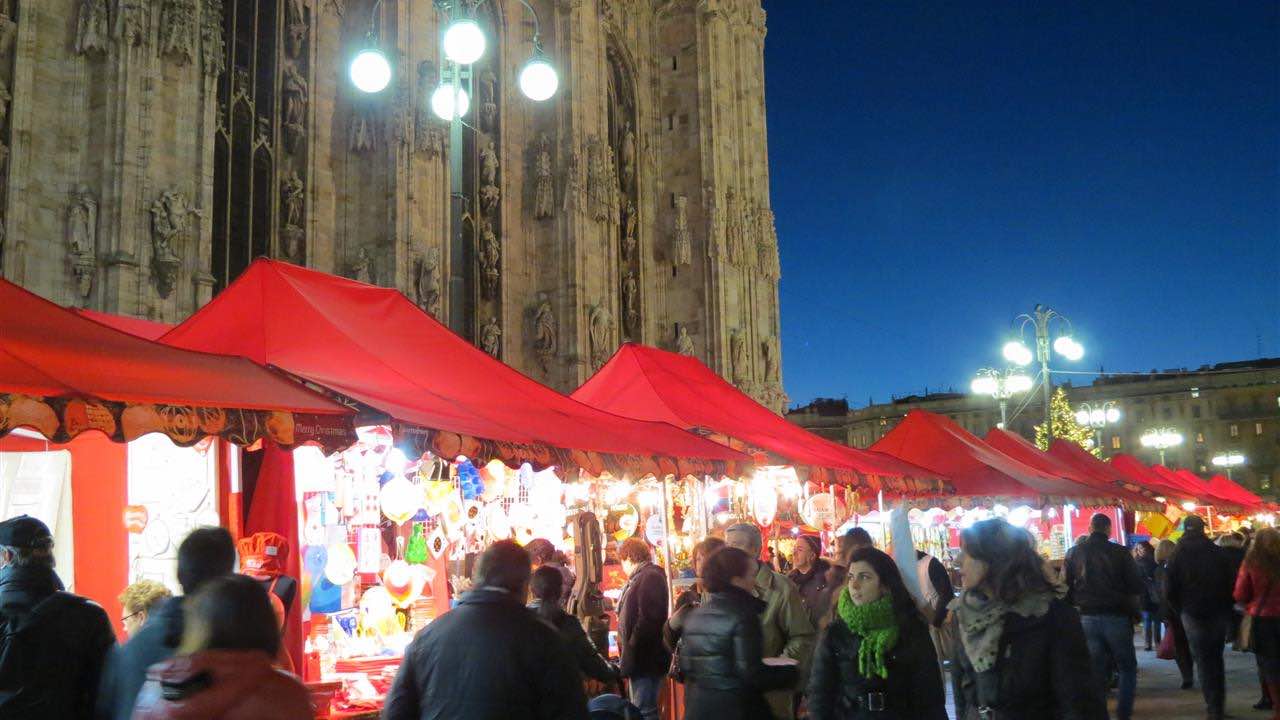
(456,450)
(119,498)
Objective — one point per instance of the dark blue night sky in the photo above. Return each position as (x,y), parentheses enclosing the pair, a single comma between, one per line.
(939,167)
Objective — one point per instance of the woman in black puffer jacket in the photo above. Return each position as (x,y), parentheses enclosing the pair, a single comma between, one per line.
(876,660)
(722,646)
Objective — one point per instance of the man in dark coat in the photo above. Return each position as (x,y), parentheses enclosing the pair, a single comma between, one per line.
(52,643)
(206,553)
(1199,587)
(642,613)
(490,658)
(809,573)
(1104,584)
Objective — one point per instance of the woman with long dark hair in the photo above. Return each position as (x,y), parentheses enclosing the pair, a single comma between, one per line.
(547,587)
(1258,590)
(1144,554)
(223,668)
(1022,650)
(875,659)
(723,645)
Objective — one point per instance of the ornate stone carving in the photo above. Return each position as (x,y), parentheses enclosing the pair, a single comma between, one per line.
(573,192)
(402,115)
(426,285)
(684,343)
(363,134)
(178,30)
(631,304)
(738,357)
(681,242)
(490,194)
(769,351)
(715,228)
(361,268)
(214,48)
(768,245)
(628,158)
(733,232)
(546,334)
(490,258)
(132,22)
(612,192)
(489,100)
(92,28)
(428,134)
(295,35)
(544,200)
(749,253)
(600,329)
(5,98)
(292,204)
(170,225)
(631,217)
(491,337)
(598,179)
(296,96)
(82,243)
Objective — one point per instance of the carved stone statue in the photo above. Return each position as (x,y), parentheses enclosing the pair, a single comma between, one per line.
(629,241)
(715,228)
(296,96)
(490,193)
(573,182)
(178,30)
(214,49)
(427,281)
(360,269)
(5,99)
(491,337)
(600,328)
(82,231)
(627,155)
(489,104)
(750,226)
(490,256)
(545,334)
(768,247)
(631,303)
(428,134)
(92,33)
(170,224)
(733,231)
(291,199)
(738,355)
(363,136)
(770,353)
(681,243)
(613,194)
(544,199)
(684,343)
(295,28)
(598,179)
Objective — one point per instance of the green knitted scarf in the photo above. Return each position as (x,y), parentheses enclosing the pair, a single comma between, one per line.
(876,625)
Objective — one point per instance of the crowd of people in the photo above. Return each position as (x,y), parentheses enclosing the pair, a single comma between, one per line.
(836,638)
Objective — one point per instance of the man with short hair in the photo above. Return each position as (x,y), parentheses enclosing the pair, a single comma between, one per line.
(809,573)
(787,629)
(52,643)
(206,553)
(1104,584)
(490,658)
(642,612)
(542,552)
(1199,589)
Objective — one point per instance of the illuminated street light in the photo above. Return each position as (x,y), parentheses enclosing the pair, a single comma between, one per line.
(1000,386)
(1098,417)
(449,102)
(370,71)
(538,79)
(1161,439)
(1065,345)
(464,41)
(1017,353)
(1228,460)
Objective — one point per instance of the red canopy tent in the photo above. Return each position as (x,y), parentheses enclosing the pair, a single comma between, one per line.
(975,468)
(374,346)
(646,383)
(1097,470)
(62,374)
(1018,448)
(1145,477)
(1228,494)
(1237,490)
(146,329)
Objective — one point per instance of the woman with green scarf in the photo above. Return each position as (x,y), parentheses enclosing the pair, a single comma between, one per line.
(875,661)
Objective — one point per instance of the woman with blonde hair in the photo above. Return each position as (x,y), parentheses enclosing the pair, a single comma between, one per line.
(1258,590)
(138,600)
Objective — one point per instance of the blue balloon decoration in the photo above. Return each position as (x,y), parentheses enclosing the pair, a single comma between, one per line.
(325,596)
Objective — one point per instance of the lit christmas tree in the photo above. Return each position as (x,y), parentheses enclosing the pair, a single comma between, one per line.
(1065,425)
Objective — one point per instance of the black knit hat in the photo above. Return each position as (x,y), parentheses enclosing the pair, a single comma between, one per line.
(25,532)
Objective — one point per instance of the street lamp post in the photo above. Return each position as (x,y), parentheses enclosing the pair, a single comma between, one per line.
(1001,386)
(1161,439)
(1098,417)
(1016,352)
(1228,460)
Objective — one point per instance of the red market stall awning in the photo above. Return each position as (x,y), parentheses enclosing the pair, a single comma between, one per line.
(146,329)
(975,468)
(1191,485)
(1237,490)
(1145,477)
(1020,449)
(1227,495)
(62,374)
(646,383)
(372,345)
(1098,471)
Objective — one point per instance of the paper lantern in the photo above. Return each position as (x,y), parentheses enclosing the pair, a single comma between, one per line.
(655,531)
(437,544)
(399,500)
(437,493)
(497,523)
(340,565)
(764,500)
(402,583)
(820,511)
(454,517)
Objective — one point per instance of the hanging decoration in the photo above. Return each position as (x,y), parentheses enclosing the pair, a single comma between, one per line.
(340,564)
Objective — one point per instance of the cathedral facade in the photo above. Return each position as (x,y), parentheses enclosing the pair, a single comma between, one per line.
(153,148)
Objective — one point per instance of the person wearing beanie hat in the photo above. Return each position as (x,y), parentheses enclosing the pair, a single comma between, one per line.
(1199,590)
(809,573)
(52,643)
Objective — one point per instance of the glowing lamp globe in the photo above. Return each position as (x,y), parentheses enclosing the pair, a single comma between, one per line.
(1097,416)
(538,79)
(370,71)
(1068,348)
(1082,417)
(985,385)
(1018,383)
(464,42)
(1113,415)
(447,100)
(1016,353)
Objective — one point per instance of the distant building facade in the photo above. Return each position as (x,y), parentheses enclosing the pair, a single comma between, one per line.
(1228,407)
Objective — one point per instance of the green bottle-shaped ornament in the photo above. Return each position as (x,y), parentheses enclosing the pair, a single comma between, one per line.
(416,553)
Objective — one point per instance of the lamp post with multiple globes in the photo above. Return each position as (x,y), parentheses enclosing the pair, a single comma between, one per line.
(1016,351)
(1098,417)
(1161,439)
(1228,460)
(1001,386)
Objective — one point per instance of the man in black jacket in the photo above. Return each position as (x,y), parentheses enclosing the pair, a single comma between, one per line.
(642,612)
(1104,584)
(490,658)
(206,553)
(1198,589)
(52,643)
